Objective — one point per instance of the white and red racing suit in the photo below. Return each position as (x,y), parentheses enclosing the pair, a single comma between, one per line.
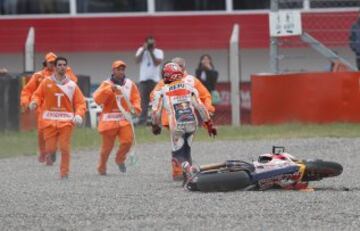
(180,100)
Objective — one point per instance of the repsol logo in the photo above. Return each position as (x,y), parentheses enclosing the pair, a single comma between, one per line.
(176,86)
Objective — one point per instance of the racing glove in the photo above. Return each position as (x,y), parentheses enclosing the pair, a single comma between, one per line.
(210,127)
(156,129)
(33,105)
(77,120)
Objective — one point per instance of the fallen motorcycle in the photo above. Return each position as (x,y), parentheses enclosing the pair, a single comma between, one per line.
(272,170)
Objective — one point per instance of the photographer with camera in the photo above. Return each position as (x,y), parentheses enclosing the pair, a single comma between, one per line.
(149,57)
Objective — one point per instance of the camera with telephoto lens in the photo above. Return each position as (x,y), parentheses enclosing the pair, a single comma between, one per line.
(150,44)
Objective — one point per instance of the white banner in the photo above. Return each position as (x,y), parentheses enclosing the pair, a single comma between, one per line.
(285,23)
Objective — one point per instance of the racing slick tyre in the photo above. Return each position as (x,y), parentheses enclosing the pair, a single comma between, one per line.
(317,169)
(222,181)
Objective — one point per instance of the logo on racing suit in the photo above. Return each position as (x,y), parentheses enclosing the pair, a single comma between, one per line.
(183,112)
(176,86)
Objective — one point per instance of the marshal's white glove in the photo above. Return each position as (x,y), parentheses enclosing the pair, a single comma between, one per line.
(33,105)
(77,120)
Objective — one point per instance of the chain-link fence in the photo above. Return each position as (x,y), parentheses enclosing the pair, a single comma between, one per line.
(326,30)
(313,4)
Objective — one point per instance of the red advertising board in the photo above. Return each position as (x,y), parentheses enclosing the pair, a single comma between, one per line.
(223,109)
(323,97)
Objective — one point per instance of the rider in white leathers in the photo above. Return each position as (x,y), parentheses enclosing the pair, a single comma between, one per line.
(180,101)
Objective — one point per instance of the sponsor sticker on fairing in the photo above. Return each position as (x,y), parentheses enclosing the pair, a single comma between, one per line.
(280,180)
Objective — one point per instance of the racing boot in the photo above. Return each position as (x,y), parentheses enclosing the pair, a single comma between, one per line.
(177,172)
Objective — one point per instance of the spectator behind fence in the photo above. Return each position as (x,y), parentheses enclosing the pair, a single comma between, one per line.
(354,40)
(207,74)
(149,57)
(338,66)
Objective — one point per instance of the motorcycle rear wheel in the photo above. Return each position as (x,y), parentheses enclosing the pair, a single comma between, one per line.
(316,170)
(222,181)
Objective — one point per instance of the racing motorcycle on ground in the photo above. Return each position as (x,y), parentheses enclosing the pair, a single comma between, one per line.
(272,170)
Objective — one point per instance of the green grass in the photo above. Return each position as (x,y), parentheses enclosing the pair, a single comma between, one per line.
(25,143)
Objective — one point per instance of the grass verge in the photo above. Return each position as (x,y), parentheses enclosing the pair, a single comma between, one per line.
(25,143)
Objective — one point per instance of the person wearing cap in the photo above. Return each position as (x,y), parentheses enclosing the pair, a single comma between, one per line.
(28,91)
(118,96)
(62,106)
(36,79)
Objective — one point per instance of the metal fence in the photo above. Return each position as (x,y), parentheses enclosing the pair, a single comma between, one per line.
(325,35)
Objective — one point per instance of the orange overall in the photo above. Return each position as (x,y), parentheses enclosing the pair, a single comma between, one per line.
(112,122)
(60,102)
(25,98)
(204,96)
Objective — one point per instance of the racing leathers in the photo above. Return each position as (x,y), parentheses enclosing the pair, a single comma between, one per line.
(180,100)
(204,95)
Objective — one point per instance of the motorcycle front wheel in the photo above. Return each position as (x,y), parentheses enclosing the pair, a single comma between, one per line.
(316,170)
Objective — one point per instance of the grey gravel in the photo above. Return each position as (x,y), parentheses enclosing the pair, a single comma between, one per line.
(32,196)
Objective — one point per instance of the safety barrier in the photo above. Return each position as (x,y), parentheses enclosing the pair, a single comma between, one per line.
(84,84)
(322,97)
(223,108)
(9,101)
(27,118)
